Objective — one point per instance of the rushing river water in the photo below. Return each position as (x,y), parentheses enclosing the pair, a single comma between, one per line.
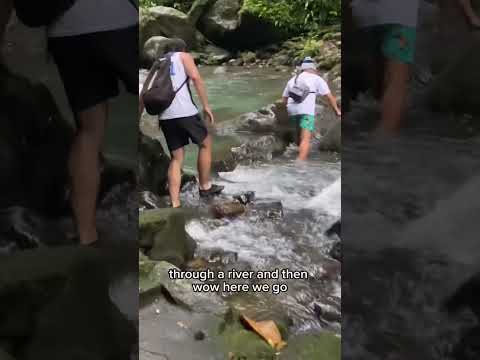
(409,234)
(309,193)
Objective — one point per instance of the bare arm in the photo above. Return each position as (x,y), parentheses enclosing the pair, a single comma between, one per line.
(192,71)
(285,100)
(333,103)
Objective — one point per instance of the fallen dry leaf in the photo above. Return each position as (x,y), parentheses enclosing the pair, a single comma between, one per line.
(268,330)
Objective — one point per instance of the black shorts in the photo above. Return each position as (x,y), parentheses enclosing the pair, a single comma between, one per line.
(91,65)
(178,132)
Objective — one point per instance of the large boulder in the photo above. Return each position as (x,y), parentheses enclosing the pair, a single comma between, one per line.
(332,141)
(57,306)
(228,24)
(457,88)
(167,22)
(34,141)
(155,275)
(154,47)
(163,236)
(153,165)
(262,149)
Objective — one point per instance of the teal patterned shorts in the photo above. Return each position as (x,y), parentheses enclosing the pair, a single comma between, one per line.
(399,42)
(306,122)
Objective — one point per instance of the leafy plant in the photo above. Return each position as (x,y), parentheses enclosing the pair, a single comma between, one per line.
(296,16)
(182,5)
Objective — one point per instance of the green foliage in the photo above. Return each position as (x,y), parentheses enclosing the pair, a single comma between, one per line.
(182,5)
(296,16)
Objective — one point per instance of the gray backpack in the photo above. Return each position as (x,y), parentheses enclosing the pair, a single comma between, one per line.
(299,92)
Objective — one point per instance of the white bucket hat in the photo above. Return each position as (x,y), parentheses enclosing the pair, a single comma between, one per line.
(308,63)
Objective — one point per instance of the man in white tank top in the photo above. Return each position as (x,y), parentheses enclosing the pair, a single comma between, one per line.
(181,124)
(94,45)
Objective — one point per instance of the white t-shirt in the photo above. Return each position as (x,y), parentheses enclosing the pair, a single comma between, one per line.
(90,16)
(182,105)
(316,84)
(382,12)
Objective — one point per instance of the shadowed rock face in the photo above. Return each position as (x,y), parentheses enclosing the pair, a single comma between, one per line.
(35,142)
(5,12)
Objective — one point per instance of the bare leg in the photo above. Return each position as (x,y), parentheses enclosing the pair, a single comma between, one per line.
(84,169)
(175,176)
(472,17)
(304,146)
(204,163)
(394,98)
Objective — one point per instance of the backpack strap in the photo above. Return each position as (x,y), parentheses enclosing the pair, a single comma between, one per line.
(149,77)
(134,4)
(152,71)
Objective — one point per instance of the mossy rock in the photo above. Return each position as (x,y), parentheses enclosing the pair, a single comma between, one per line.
(323,346)
(240,343)
(163,234)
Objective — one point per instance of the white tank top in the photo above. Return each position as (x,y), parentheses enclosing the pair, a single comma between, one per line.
(182,105)
(90,16)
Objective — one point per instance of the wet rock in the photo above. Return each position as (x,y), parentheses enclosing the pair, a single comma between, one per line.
(154,276)
(228,209)
(198,8)
(326,312)
(322,346)
(258,150)
(5,355)
(263,120)
(267,210)
(82,320)
(199,335)
(227,164)
(34,145)
(21,228)
(466,297)
(219,256)
(148,201)
(245,198)
(113,174)
(154,47)
(469,346)
(60,296)
(230,25)
(335,229)
(197,264)
(457,87)
(217,56)
(336,251)
(332,141)
(167,22)
(162,234)
(242,343)
(235,62)
(153,165)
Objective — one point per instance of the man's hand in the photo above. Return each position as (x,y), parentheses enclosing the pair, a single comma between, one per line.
(338,112)
(207,112)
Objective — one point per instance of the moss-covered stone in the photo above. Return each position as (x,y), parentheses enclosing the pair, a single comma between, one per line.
(240,343)
(323,346)
(163,234)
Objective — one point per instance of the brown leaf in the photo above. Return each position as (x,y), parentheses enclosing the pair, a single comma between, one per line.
(268,330)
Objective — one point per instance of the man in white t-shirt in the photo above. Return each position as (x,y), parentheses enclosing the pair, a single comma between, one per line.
(302,114)
(94,44)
